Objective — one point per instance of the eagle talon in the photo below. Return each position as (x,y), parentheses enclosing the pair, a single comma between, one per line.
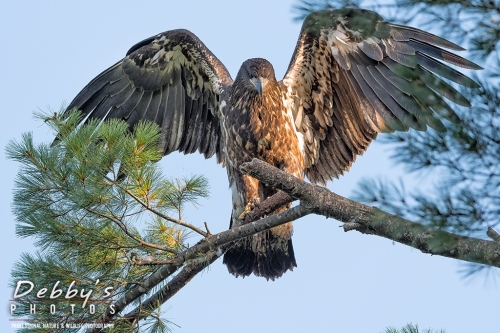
(248,208)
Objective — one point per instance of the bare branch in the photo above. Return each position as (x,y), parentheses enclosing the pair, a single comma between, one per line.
(212,244)
(147,260)
(268,206)
(351,226)
(493,234)
(189,271)
(176,284)
(208,230)
(373,221)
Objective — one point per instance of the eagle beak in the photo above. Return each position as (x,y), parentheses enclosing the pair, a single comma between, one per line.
(259,84)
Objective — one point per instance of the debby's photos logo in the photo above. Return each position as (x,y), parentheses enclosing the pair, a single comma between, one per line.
(60,301)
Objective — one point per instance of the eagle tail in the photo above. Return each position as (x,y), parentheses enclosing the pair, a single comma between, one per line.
(268,254)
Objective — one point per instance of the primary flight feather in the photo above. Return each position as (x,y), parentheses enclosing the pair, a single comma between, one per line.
(352,75)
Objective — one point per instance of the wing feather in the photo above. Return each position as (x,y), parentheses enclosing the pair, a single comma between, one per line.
(352,126)
(191,113)
(403,48)
(171,79)
(110,89)
(131,103)
(389,102)
(328,160)
(401,33)
(202,137)
(363,59)
(166,120)
(371,49)
(138,112)
(405,59)
(446,90)
(205,140)
(198,135)
(178,125)
(353,75)
(107,77)
(118,95)
(445,71)
(441,54)
(212,144)
(407,102)
(152,111)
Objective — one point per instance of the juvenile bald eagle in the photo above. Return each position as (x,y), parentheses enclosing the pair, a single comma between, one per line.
(351,76)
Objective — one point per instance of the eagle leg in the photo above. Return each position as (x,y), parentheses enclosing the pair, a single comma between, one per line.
(268,253)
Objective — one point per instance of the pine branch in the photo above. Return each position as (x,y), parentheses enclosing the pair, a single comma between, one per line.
(128,233)
(158,213)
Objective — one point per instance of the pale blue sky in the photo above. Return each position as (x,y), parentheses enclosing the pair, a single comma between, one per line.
(344,282)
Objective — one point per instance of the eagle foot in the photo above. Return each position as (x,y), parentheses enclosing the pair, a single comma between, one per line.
(248,208)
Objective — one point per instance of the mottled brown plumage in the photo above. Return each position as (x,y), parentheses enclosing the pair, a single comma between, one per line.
(351,76)
(258,126)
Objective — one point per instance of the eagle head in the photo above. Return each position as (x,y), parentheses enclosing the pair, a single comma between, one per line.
(254,74)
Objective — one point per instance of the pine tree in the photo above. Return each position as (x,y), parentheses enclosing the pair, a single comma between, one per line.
(102,215)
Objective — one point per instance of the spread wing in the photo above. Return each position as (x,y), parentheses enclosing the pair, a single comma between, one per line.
(353,75)
(171,79)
